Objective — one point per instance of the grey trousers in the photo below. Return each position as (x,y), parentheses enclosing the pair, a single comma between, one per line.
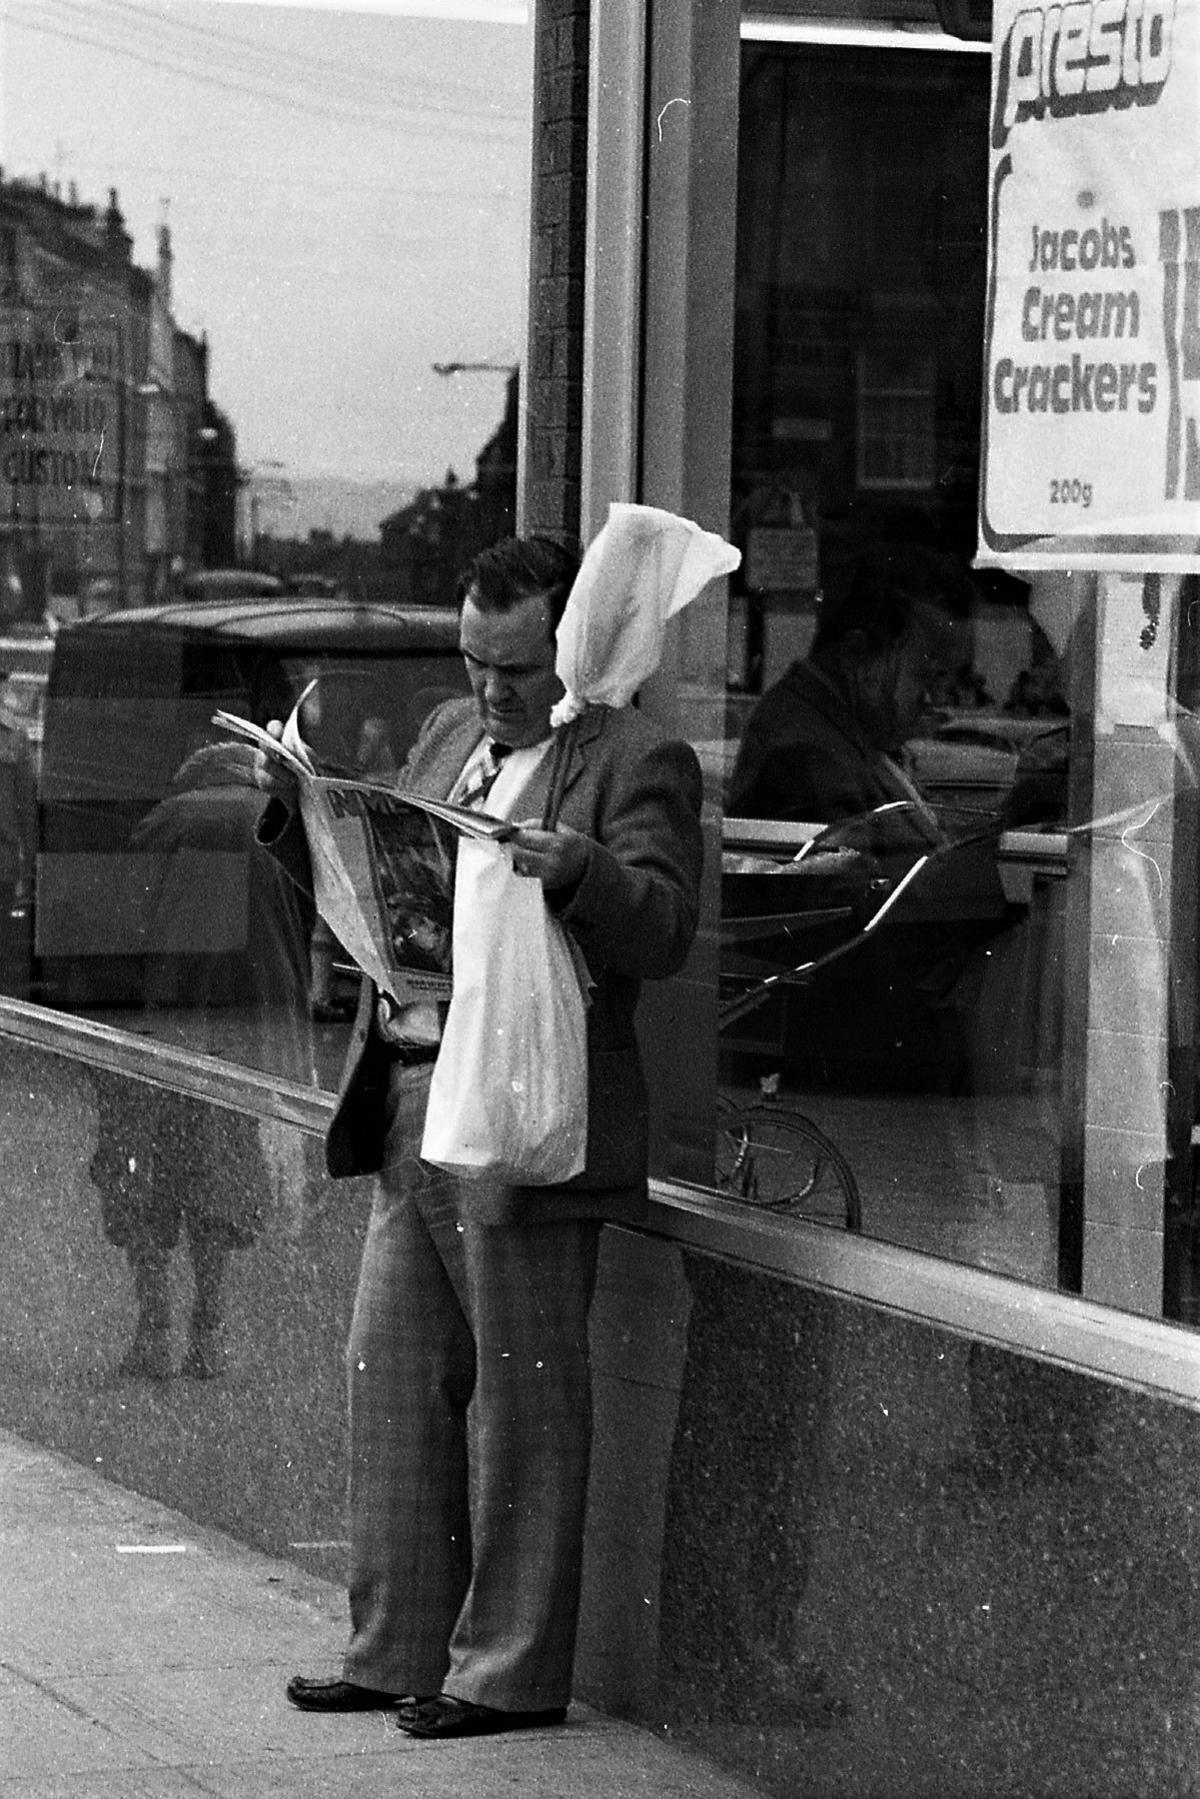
(470,1432)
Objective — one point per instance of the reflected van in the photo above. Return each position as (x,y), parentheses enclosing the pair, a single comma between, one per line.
(148,881)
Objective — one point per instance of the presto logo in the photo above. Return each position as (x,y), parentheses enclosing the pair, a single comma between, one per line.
(1087,56)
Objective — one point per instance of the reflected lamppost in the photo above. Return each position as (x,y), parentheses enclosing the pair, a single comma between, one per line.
(471,368)
(494,489)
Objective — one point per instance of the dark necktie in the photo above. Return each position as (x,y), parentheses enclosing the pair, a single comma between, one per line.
(483,779)
(389,1020)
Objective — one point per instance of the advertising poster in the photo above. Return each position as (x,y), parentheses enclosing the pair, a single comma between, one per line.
(1091,409)
(61,412)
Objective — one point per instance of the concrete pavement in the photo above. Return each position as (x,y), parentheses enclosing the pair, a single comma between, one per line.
(144,1657)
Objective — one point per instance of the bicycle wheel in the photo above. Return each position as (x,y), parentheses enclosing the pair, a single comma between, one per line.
(779,1160)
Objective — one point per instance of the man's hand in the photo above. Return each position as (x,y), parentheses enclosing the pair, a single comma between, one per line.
(555,858)
(271,775)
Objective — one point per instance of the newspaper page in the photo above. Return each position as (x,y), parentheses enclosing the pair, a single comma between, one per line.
(383,864)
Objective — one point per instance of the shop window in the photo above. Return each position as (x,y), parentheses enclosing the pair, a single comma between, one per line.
(892,1025)
(260,407)
(952,937)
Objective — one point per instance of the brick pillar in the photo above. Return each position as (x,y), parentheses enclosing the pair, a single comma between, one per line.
(554,358)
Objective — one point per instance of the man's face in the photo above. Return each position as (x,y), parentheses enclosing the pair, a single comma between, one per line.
(915,665)
(895,681)
(510,665)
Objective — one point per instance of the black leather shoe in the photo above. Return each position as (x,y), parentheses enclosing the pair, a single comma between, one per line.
(338,1696)
(445,1716)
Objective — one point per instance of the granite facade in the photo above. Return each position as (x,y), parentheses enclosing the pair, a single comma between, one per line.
(849,1556)
(927,1567)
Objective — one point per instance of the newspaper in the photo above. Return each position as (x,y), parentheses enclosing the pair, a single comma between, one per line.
(383,863)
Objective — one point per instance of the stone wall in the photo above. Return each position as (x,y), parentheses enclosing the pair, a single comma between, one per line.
(848,1556)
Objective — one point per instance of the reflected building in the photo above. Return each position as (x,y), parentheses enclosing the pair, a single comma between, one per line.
(204,492)
(426,543)
(117,468)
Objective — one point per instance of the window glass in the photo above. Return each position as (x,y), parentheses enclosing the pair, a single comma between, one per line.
(262,296)
(894,890)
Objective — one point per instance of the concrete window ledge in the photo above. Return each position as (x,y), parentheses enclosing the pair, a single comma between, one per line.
(163,1065)
(1137,1352)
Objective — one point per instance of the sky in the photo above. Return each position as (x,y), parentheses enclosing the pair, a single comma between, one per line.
(347,194)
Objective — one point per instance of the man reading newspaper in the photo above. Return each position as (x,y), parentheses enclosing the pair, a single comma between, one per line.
(469,1382)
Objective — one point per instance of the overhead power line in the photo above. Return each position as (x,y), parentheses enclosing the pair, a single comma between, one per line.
(301,182)
(438,93)
(391,118)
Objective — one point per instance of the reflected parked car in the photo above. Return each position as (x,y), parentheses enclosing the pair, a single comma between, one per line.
(969,760)
(317,586)
(148,882)
(229,584)
(23,700)
(24,672)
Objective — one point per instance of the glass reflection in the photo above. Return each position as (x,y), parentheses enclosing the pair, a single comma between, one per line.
(897,756)
(260,329)
(166,905)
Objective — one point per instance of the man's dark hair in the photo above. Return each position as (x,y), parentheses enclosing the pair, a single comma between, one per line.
(501,577)
(890,589)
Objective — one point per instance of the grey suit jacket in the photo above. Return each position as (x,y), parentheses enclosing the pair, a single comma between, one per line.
(636,795)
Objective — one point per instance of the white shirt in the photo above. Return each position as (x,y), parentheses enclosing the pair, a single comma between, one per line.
(516,770)
(421,1022)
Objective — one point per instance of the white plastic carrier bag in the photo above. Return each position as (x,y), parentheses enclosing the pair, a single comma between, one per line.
(508,1099)
(643,567)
